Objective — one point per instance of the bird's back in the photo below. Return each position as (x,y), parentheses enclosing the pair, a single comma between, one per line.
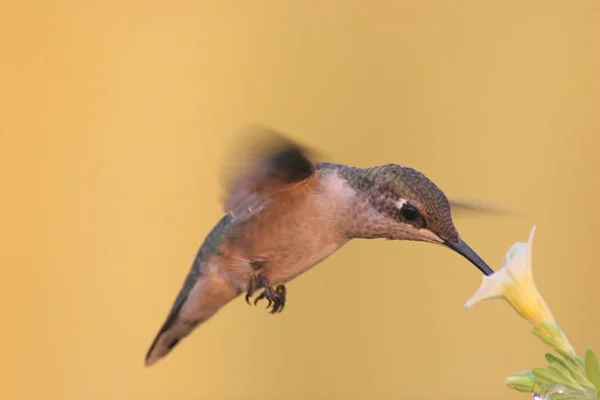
(200,306)
(209,248)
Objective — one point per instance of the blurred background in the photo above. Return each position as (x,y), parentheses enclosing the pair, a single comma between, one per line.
(116,117)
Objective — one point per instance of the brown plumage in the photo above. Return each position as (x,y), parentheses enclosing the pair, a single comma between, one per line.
(285,214)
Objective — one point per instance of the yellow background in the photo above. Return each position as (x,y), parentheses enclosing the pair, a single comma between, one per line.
(115,118)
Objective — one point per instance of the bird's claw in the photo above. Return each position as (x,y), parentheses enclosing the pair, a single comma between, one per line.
(275,296)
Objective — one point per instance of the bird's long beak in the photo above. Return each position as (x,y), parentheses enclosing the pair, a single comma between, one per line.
(464,250)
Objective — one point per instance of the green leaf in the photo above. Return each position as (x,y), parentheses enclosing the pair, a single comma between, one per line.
(546,377)
(526,373)
(551,377)
(553,337)
(567,395)
(577,374)
(552,358)
(568,381)
(592,368)
(577,360)
(560,368)
(522,383)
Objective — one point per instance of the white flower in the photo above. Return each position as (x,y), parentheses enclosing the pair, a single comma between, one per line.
(514,283)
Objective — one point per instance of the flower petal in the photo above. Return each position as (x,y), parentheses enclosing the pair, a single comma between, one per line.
(492,287)
(514,283)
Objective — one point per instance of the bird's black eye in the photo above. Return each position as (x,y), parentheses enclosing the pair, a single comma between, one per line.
(410,213)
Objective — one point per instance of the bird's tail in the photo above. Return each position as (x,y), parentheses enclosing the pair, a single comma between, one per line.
(208,294)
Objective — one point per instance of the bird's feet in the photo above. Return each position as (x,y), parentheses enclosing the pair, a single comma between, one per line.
(275,296)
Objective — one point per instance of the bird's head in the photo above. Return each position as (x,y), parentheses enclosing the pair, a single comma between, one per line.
(414,208)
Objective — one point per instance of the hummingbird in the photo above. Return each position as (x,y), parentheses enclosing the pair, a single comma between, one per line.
(284,213)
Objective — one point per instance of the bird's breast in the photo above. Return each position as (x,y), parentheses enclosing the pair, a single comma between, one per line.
(295,258)
(282,243)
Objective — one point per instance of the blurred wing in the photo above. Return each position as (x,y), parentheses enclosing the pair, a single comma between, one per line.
(267,166)
(475,206)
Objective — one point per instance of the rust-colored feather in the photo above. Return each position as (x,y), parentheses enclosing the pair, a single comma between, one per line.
(270,168)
